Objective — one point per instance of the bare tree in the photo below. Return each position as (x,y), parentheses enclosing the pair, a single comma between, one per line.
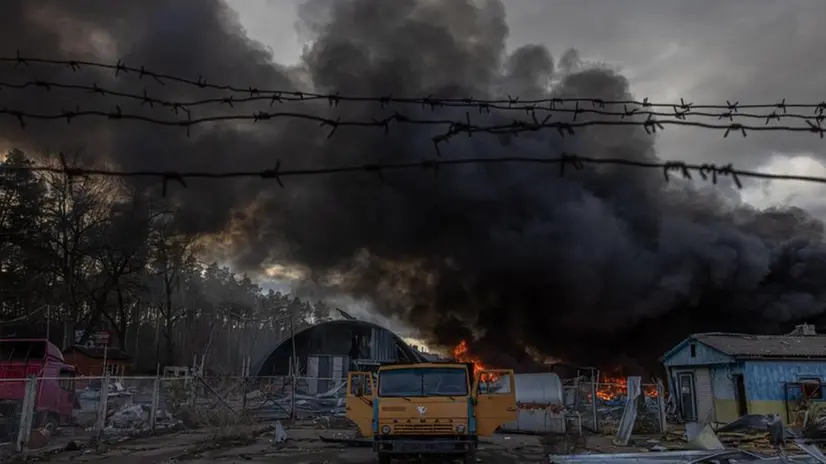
(75,210)
(174,257)
(104,254)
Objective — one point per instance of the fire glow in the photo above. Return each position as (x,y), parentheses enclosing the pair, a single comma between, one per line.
(461,353)
(613,387)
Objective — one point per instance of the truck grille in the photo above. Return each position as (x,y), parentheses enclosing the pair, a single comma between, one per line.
(423,429)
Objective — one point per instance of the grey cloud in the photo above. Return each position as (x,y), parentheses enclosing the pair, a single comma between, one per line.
(704,50)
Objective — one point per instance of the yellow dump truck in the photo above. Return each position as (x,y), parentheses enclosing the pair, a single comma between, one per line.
(430,408)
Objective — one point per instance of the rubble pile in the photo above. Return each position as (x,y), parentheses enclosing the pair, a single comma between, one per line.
(88,401)
(136,418)
(128,411)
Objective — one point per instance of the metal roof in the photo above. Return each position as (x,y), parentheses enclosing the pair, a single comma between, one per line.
(765,346)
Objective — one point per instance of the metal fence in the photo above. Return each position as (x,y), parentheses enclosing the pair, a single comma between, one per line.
(41,411)
(38,411)
(601,405)
(272,397)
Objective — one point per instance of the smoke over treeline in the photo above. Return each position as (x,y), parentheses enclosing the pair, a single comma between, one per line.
(600,266)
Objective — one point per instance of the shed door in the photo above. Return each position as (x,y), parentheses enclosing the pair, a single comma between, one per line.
(338,369)
(312,374)
(705,395)
(685,385)
(325,372)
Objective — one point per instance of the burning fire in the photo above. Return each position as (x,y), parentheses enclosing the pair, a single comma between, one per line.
(612,387)
(461,353)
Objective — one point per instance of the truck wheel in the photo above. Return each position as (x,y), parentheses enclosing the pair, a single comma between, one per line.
(10,413)
(47,421)
(385,458)
(51,424)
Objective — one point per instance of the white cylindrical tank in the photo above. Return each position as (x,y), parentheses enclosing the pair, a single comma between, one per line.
(540,404)
(544,388)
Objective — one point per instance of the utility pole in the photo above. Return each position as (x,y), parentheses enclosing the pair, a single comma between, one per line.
(229,339)
(294,370)
(48,322)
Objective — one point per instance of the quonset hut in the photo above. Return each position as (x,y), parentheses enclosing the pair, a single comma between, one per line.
(326,352)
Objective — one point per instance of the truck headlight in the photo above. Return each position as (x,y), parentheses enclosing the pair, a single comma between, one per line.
(460,428)
(385,429)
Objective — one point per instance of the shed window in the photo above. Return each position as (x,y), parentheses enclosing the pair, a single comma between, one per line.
(693,350)
(113,370)
(812,387)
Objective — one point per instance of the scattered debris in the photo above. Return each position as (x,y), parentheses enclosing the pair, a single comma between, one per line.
(135,418)
(706,439)
(278,434)
(629,413)
(686,457)
(358,442)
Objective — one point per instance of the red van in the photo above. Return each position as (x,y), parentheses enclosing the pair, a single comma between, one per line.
(20,358)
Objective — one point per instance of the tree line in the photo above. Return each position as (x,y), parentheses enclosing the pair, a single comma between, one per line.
(82,254)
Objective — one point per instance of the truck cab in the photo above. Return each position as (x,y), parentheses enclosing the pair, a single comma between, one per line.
(430,408)
(55,390)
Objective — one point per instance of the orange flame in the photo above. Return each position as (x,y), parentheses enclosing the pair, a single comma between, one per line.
(611,387)
(461,353)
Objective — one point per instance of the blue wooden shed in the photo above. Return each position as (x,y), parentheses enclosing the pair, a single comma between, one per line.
(722,376)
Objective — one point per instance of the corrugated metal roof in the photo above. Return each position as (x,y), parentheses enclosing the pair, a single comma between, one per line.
(765,346)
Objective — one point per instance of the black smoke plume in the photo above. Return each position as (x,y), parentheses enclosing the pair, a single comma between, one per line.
(601,266)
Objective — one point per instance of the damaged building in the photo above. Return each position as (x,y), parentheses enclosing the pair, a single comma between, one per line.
(326,352)
(722,376)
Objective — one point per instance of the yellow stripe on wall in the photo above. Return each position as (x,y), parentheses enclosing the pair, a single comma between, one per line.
(768,407)
(725,410)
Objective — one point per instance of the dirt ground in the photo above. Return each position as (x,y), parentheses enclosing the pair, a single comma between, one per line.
(254,445)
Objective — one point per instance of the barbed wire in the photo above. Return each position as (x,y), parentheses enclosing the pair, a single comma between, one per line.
(681,111)
(706,171)
(513,127)
(642,111)
(335,98)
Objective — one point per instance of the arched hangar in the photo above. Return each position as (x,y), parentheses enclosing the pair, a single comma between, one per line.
(331,349)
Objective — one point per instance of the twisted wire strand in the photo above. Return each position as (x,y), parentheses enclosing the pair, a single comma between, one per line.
(453,127)
(334,98)
(708,172)
(679,111)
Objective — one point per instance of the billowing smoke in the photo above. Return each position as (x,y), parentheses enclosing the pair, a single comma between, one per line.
(603,265)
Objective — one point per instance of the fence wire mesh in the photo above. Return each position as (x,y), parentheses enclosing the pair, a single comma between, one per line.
(600,406)
(12,398)
(320,398)
(44,411)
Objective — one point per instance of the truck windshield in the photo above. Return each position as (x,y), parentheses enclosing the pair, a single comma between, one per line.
(22,350)
(424,381)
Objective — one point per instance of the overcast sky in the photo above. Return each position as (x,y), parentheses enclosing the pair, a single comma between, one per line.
(705,51)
